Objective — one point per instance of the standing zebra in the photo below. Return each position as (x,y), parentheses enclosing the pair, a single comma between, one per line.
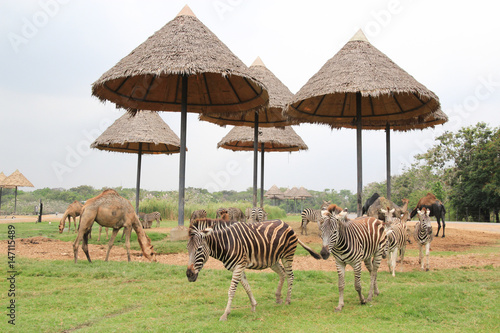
(147,219)
(198,214)
(423,235)
(351,243)
(397,236)
(235,214)
(256,215)
(240,246)
(313,215)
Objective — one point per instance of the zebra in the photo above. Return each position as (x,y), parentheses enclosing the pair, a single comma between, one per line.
(242,245)
(235,214)
(198,214)
(351,243)
(423,235)
(312,215)
(397,236)
(147,219)
(256,215)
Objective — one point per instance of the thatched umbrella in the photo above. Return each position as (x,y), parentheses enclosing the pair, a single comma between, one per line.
(361,87)
(274,193)
(182,67)
(272,116)
(302,193)
(15,180)
(2,178)
(140,132)
(268,139)
(291,194)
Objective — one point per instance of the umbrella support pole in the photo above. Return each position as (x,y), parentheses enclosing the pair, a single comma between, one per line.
(359,151)
(255,156)
(15,202)
(182,162)
(262,175)
(388,156)
(138,184)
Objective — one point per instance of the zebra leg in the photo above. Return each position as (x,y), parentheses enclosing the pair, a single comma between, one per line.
(420,255)
(237,272)
(402,255)
(357,279)
(303,227)
(393,256)
(287,263)
(111,241)
(281,273)
(246,286)
(427,249)
(341,272)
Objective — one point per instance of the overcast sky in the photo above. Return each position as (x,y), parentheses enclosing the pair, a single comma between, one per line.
(52,51)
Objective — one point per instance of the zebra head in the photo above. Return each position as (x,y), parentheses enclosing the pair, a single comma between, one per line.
(424,218)
(329,234)
(198,252)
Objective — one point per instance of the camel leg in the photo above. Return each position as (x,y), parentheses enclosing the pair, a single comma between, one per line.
(100,230)
(144,241)
(76,245)
(85,245)
(439,227)
(111,241)
(442,220)
(128,231)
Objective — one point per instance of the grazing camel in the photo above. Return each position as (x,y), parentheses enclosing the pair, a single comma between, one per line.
(111,210)
(434,206)
(74,209)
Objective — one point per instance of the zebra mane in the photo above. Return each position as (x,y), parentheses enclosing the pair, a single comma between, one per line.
(216,224)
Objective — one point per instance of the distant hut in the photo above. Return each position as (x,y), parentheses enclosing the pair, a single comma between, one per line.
(15,180)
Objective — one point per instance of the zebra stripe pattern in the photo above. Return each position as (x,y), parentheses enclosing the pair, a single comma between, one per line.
(361,239)
(423,235)
(397,236)
(147,219)
(198,214)
(310,215)
(256,215)
(242,245)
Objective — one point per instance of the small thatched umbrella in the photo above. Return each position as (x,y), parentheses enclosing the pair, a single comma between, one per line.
(302,194)
(361,87)
(274,193)
(272,116)
(268,139)
(182,67)
(2,178)
(140,132)
(291,194)
(15,180)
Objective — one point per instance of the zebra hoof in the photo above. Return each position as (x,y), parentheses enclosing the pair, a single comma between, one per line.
(338,309)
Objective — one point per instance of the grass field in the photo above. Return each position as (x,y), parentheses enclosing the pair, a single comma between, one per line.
(60,296)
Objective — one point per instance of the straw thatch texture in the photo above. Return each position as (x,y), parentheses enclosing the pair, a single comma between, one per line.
(16,179)
(389,93)
(272,116)
(303,193)
(291,193)
(274,193)
(274,139)
(149,78)
(2,178)
(145,127)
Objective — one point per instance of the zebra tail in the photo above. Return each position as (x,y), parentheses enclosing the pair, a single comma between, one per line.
(308,249)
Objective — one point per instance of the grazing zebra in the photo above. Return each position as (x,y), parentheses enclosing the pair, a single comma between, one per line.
(313,215)
(242,245)
(423,235)
(198,214)
(397,236)
(351,243)
(147,219)
(256,215)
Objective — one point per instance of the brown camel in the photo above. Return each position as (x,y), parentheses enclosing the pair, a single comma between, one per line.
(434,206)
(74,209)
(111,210)
(375,209)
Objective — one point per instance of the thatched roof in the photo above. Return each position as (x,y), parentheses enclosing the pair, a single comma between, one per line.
(274,193)
(303,193)
(274,139)
(2,178)
(272,116)
(389,94)
(133,128)
(149,78)
(16,179)
(291,193)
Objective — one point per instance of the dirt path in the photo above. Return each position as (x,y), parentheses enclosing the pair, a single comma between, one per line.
(458,239)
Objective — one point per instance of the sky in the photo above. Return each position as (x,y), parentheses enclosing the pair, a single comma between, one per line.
(53,50)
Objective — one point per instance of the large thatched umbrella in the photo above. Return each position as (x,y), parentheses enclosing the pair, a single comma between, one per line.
(15,180)
(272,116)
(269,139)
(182,67)
(361,87)
(274,193)
(141,132)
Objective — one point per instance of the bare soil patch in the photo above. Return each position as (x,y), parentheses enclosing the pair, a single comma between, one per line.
(457,241)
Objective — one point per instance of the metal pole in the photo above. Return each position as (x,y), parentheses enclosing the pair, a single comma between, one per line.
(359,151)
(262,175)
(138,184)
(182,162)
(388,158)
(40,212)
(255,157)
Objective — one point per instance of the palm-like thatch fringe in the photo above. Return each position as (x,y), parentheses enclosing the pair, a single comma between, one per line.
(274,193)
(272,116)
(2,178)
(273,138)
(303,193)
(149,78)
(133,128)
(16,179)
(389,93)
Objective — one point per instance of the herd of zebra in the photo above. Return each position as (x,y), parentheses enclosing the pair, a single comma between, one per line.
(248,241)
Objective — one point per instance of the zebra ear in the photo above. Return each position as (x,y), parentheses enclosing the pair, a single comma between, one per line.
(383,211)
(206,232)
(428,212)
